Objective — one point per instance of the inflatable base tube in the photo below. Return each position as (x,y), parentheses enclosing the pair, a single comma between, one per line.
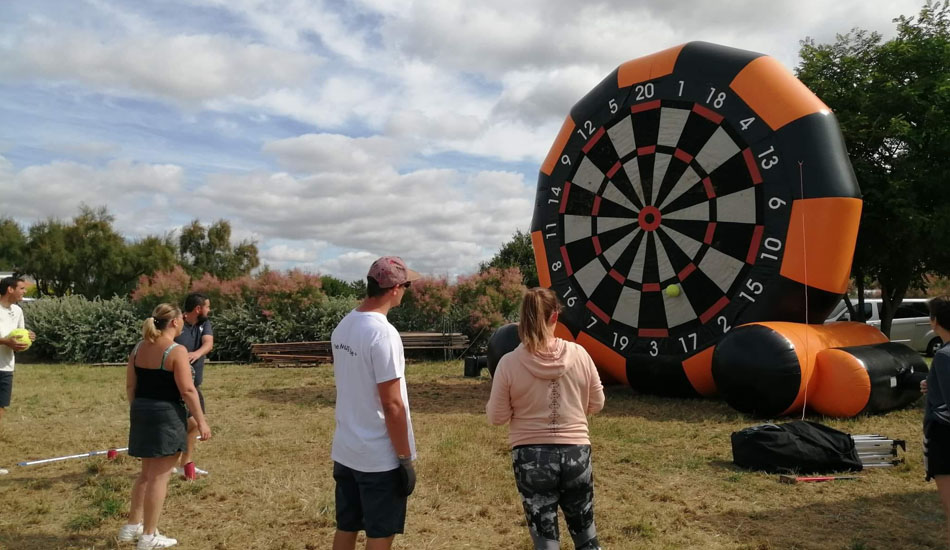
(502,341)
(866,379)
(765,369)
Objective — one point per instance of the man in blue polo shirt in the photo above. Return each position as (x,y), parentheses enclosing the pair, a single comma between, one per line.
(197,338)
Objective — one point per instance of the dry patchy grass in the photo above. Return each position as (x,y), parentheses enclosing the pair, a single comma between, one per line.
(663,471)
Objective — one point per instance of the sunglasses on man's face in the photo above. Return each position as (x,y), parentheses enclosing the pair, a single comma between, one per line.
(406,284)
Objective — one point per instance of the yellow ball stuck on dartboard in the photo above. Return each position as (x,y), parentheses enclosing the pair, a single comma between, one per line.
(673,291)
(22,336)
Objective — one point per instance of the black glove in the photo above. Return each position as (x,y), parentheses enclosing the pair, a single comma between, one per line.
(407,476)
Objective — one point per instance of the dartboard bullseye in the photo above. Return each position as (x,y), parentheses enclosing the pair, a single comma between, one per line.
(686,168)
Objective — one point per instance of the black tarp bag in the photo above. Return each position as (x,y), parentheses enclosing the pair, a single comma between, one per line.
(795,447)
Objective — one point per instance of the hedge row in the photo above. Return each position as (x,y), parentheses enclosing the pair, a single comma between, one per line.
(76,330)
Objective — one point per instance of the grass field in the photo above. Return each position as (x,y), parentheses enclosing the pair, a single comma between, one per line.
(664,478)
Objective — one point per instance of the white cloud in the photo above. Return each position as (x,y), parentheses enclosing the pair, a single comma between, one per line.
(443,220)
(138,195)
(185,68)
(335,153)
(302,252)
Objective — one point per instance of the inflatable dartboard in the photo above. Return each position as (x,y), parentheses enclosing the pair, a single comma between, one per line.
(692,191)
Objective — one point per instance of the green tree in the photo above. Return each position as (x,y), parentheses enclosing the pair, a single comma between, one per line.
(89,258)
(97,255)
(334,287)
(892,99)
(48,259)
(519,253)
(151,255)
(12,245)
(209,250)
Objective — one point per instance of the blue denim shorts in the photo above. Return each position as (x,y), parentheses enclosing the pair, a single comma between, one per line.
(369,501)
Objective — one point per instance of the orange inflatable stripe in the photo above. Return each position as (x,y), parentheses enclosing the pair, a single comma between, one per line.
(541,259)
(810,340)
(555,153)
(842,384)
(820,242)
(774,93)
(606,359)
(698,370)
(563,332)
(648,67)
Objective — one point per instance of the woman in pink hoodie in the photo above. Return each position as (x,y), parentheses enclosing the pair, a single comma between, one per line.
(546,388)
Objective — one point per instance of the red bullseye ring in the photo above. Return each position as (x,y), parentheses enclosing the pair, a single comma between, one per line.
(649,218)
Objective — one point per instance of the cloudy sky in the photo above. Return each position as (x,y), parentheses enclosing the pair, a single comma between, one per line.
(332,132)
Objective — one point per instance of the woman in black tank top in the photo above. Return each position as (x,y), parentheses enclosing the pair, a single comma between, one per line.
(159,387)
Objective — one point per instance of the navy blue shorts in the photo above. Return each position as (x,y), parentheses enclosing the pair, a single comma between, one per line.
(936,449)
(369,501)
(6,388)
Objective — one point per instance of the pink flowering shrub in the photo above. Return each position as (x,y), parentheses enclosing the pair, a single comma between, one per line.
(490,299)
(164,286)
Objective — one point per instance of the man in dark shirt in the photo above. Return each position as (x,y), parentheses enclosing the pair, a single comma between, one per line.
(197,338)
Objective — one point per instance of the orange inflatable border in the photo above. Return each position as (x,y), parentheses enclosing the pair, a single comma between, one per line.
(774,93)
(821,232)
(648,67)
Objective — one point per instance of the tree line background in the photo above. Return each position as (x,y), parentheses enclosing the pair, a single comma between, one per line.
(96,287)
(891,98)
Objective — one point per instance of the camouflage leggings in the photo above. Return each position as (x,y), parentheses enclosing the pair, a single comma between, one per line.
(552,475)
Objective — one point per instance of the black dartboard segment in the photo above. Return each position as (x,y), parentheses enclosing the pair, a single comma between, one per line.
(663,209)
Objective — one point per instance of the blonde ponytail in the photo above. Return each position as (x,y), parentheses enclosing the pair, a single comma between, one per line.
(537,307)
(153,326)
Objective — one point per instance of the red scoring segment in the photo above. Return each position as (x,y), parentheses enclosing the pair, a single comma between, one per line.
(655,104)
(683,155)
(753,168)
(593,140)
(710,231)
(716,308)
(649,218)
(567,261)
(682,275)
(567,191)
(613,169)
(706,113)
(598,312)
(754,245)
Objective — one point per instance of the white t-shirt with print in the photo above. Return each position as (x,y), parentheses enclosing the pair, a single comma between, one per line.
(10,318)
(367,351)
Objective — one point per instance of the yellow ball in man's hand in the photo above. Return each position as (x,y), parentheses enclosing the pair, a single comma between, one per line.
(22,336)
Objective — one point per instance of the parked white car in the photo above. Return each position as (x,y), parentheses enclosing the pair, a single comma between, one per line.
(911,323)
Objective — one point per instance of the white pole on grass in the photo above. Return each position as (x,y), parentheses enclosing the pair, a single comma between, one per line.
(110,453)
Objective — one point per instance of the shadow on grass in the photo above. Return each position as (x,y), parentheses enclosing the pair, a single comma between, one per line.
(895,520)
(43,541)
(467,395)
(424,397)
(34,479)
(622,401)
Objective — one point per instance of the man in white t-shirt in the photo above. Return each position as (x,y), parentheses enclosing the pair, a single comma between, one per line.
(373,445)
(12,290)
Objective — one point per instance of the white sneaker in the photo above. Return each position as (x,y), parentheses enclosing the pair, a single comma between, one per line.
(130,532)
(4,471)
(147,542)
(200,472)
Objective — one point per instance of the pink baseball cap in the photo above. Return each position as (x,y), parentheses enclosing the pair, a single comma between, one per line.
(390,271)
